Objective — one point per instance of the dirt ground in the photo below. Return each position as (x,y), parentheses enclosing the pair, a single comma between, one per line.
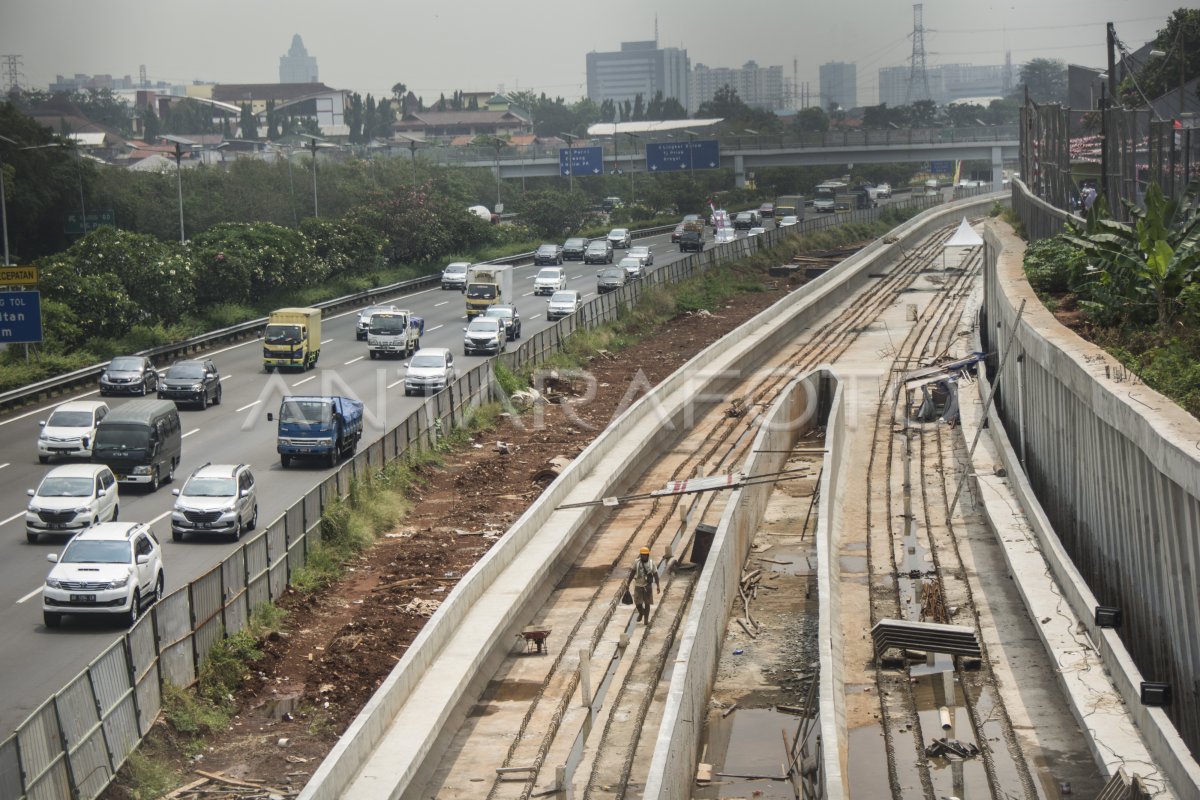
(338,646)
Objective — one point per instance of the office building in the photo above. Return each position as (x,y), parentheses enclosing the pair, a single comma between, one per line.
(638,68)
(297,66)
(758,87)
(839,85)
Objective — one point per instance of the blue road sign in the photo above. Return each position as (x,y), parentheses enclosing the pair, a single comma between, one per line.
(674,156)
(941,167)
(20,317)
(583,161)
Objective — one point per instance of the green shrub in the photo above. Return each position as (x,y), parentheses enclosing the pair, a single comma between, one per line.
(509,381)
(1051,265)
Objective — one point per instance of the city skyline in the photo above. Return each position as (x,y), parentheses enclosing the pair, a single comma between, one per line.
(377,45)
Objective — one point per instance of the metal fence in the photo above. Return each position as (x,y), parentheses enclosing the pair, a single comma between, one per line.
(75,742)
(1123,151)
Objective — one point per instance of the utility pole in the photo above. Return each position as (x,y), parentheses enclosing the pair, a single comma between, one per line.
(570,137)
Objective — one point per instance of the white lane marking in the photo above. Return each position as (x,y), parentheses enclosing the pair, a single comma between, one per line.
(234,346)
(527,294)
(160,516)
(395,383)
(443,303)
(434,328)
(10,519)
(326,341)
(249,405)
(306,380)
(535,316)
(224,378)
(5,464)
(38,590)
(351,361)
(588,294)
(189,433)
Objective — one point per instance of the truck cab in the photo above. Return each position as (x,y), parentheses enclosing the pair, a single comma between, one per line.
(325,428)
(393,333)
(292,338)
(487,286)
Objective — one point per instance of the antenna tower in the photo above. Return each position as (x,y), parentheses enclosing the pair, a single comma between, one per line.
(10,73)
(918,72)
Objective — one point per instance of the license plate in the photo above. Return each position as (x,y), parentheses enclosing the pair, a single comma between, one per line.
(55,525)
(62,449)
(83,598)
(205,524)
(304,449)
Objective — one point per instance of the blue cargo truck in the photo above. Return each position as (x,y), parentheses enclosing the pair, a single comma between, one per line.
(325,428)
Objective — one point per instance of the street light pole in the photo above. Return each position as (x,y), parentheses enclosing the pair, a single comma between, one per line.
(632,193)
(180,143)
(3,202)
(313,144)
(692,156)
(498,143)
(570,137)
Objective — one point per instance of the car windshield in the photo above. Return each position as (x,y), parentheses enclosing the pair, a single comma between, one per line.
(599,247)
(387,326)
(639,251)
(70,419)
(367,313)
(97,551)
(618,233)
(282,334)
(613,272)
(499,313)
(125,364)
(210,487)
(482,291)
(548,275)
(455,269)
(111,436)
(563,297)
(575,242)
(186,371)
(305,411)
(630,262)
(548,249)
(426,361)
(66,487)
(483,325)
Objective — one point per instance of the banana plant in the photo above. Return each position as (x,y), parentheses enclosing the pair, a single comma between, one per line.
(1144,265)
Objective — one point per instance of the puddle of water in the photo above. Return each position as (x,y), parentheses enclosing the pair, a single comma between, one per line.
(868,771)
(747,742)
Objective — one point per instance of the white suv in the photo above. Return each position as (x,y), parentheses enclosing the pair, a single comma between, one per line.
(549,280)
(217,498)
(113,568)
(70,430)
(70,498)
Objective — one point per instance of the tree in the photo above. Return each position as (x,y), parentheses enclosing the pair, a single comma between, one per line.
(272,121)
(150,125)
(813,120)
(1179,40)
(399,90)
(553,214)
(249,126)
(1046,80)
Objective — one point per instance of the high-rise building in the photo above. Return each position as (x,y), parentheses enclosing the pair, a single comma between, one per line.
(297,66)
(638,68)
(839,85)
(759,87)
(948,83)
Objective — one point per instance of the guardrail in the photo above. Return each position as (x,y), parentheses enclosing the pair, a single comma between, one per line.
(76,741)
(52,387)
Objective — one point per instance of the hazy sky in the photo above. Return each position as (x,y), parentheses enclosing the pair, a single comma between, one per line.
(435,47)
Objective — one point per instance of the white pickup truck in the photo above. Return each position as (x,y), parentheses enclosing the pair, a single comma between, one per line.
(393,333)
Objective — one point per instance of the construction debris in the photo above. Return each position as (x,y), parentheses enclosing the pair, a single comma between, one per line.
(217,785)
(951,747)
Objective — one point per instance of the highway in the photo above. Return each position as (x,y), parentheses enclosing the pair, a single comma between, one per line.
(36,662)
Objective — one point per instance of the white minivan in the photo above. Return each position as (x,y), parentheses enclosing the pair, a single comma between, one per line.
(70,430)
(70,498)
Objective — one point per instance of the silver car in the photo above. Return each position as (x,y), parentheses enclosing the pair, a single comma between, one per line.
(70,430)
(70,498)
(217,498)
(562,304)
(429,371)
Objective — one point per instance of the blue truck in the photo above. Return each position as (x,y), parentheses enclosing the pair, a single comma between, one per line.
(326,428)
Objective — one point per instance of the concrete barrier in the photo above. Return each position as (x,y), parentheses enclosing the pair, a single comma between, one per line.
(673,764)
(383,752)
(1082,436)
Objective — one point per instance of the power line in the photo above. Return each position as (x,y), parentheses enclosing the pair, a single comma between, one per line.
(1047,27)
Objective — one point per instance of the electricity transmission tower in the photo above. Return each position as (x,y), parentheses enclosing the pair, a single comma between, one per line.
(10,73)
(918,73)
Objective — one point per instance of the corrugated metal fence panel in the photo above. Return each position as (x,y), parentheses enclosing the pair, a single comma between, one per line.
(208,633)
(110,677)
(277,579)
(296,554)
(256,557)
(149,699)
(174,618)
(276,541)
(312,510)
(90,765)
(294,522)
(77,710)
(258,591)
(40,743)
(54,785)
(208,595)
(10,768)
(142,651)
(233,583)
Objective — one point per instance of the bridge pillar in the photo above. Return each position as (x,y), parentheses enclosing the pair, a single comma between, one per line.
(739,172)
(997,170)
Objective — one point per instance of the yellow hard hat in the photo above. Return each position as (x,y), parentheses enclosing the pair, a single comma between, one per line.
(645,551)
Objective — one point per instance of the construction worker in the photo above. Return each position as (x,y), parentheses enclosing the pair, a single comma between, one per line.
(644,573)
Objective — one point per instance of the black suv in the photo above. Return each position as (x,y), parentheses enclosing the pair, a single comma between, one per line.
(194,381)
(548,254)
(572,249)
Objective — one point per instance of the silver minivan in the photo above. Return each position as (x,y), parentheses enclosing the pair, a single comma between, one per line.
(610,279)
(70,498)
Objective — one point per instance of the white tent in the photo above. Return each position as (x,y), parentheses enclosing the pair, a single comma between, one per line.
(965,236)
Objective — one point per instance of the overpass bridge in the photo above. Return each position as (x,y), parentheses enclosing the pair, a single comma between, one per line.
(626,153)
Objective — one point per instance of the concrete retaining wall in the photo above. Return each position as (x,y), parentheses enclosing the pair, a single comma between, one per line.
(1112,492)
(383,752)
(835,742)
(673,765)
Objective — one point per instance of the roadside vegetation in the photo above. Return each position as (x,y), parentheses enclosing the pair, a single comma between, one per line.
(1132,289)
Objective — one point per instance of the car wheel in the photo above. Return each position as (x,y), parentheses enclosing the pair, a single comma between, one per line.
(254,519)
(32,538)
(333,456)
(171,472)
(154,480)
(374,355)
(130,617)
(43,459)
(217,399)
(237,529)
(116,513)
(176,536)
(52,619)
(145,389)
(203,400)
(285,460)
(158,589)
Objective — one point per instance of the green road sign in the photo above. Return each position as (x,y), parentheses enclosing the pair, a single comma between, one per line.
(76,223)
